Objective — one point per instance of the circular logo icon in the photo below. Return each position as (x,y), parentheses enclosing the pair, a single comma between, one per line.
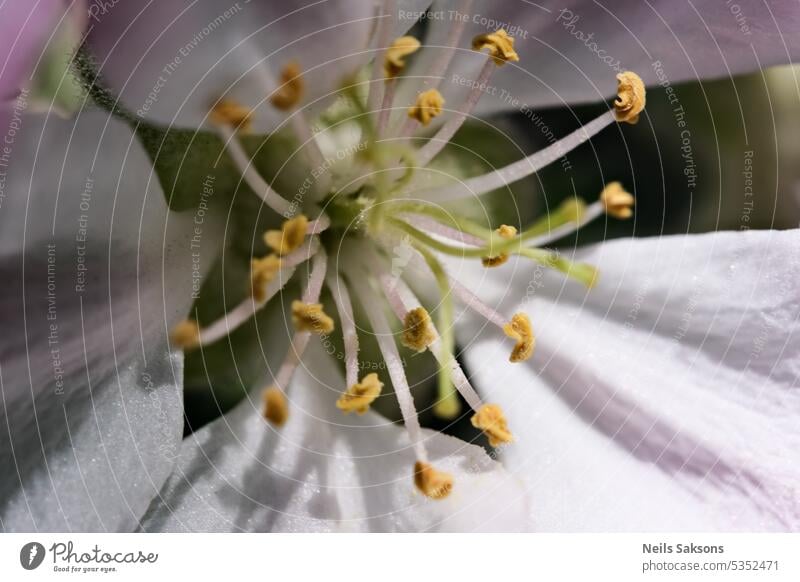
(31,555)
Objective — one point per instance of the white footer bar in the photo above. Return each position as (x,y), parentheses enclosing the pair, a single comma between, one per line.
(353,557)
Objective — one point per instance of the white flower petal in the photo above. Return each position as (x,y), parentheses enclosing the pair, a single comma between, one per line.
(324,471)
(666,397)
(92,459)
(170,61)
(570,52)
(95,270)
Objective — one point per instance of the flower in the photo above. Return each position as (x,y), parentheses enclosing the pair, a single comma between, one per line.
(294,460)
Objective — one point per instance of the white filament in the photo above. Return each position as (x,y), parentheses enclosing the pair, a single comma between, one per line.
(318,225)
(519,169)
(394,364)
(449,129)
(250,174)
(432,226)
(447,52)
(247,308)
(300,339)
(384,37)
(402,300)
(465,296)
(347,319)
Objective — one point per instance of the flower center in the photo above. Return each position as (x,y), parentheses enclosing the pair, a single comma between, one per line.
(373,209)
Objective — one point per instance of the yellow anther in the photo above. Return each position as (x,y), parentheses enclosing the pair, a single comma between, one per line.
(630,97)
(311,317)
(276,408)
(495,261)
(395,61)
(359,396)
(291,88)
(432,483)
(289,237)
(418,331)
(500,45)
(185,335)
(262,272)
(617,201)
(229,112)
(520,330)
(429,105)
(504,231)
(490,419)
(507,231)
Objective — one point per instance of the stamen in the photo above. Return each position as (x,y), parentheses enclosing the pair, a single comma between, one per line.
(292,84)
(318,225)
(448,405)
(520,169)
(394,59)
(276,407)
(312,151)
(262,272)
(276,393)
(291,88)
(251,176)
(567,218)
(582,272)
(442,137)
(311,317)
(402,300)
(433,226)
(418,331)
(520,330)
(507,232)
(471,301)
(300,339)
(229,112)
(394,364)
(616,201)
(289,237)
(185,335)
(446,53)
(435,74)
(627,107)
(341,298)
(360,395)
(432,483)
(384,34)
(499,44)
(630,97)
(428,106)
(491,420)
(386,107)
(247,308)
(394,63)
